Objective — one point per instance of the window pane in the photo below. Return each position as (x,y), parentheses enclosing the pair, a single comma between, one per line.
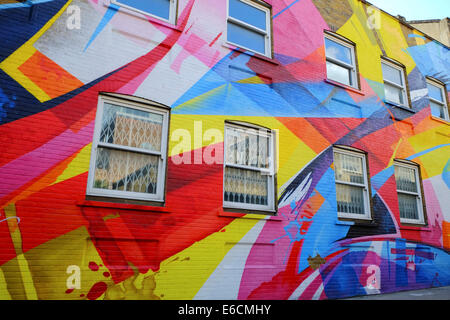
(338,73)
(435,92)
(125,171)
(338,51)
(437,110)
(247,148)
(350,199)
(405,179)
(392,74)
(245,186)
(393,94)
(249,14)
(408,206)
(246,38)
(160,8)
(131,127)
(348,168)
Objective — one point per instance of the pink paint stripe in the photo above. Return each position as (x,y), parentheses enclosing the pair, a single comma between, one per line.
(18,172)
(311,289)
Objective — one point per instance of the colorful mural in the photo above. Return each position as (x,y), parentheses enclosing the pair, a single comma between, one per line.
(57,56)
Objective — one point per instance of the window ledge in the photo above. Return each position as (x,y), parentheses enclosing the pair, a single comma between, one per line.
(440,120)
(250,53)
(344,86)
(356,222)
(399,106)
(234,213)
(125,206)
(413,227)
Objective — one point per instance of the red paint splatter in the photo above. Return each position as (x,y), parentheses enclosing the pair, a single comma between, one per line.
(106,274)
(69,290)
(93,266)
(82,295)
(97,290)
(215,39)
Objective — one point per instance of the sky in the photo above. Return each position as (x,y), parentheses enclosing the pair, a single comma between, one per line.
(415,9)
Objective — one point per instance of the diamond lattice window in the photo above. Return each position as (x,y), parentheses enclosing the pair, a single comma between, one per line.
(128,151)
(249,167)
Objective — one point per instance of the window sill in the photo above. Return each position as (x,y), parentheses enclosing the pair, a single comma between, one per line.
(447,122)
(250,53)
(344,86)
(356,222)
(399,106)
(249,214)
(124,206)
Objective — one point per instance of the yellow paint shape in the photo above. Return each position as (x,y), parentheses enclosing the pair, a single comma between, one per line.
(252,80)
(419,40)
(182,275)
(22,263)
(434,161)
(394,42)
(12,63)
(79,165)
(196,103)
(394,154)
(4,294)
(368,52)
(51,261)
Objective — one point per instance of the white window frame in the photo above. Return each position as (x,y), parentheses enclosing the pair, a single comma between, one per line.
(270,171)
(172,11)
(367,205)
(418,194)
(162,164)
(352,68)
(402,88)
(267,33)
(444,103)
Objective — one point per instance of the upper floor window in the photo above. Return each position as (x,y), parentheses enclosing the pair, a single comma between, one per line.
(394,84)
(438,101)
(409,193)
(128,158)
(161,9)
(352,186)
(341,61)
(249,26)
(249,180)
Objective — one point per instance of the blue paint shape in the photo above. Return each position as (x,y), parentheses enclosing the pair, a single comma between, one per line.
(446,174)
(109,14)
(417,155)
(286,8)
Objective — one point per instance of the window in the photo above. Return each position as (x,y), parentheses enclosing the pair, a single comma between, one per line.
(128,158)
(409,193)
(352,191)
(394,84)
(249,26)
(438,101)
(161,9)
(249,168)
(341,61)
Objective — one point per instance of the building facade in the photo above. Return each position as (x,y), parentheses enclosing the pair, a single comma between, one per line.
(438,29)
(220,149)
